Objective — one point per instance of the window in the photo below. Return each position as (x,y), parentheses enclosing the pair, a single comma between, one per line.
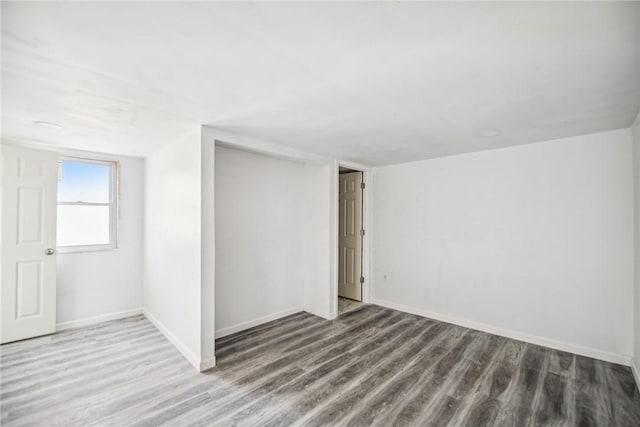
(87,209)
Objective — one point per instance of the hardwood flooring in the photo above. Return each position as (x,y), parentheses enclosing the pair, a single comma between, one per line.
(346,304)
(371,366)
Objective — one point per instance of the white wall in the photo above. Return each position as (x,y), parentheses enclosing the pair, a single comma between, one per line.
(208,253)
(534,242)
(260,221)
(172,250)
(635,132)
(319,236)
(319,230)
(94,286)
(180,265)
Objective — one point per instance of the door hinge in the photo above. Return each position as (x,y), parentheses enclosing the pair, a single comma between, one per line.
(362,232)
(361,279)
(362,185)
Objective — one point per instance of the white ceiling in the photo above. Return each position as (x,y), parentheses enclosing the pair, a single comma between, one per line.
(376,83)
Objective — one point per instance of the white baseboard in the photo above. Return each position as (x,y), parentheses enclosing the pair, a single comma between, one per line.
(636,373)
(200,365)
(516,335)
(255,322)
(79,323)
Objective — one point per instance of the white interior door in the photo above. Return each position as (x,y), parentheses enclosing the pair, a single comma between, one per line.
(350,237)
(28,291)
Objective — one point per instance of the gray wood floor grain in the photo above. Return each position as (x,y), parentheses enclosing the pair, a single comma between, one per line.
(371,366)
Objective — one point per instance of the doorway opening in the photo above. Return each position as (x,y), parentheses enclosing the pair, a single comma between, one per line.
(351,232)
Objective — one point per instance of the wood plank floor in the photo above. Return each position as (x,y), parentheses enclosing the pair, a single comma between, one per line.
(346,304)
(372,366)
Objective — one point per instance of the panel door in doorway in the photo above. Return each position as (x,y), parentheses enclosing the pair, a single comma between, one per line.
(350,235)
(28,292)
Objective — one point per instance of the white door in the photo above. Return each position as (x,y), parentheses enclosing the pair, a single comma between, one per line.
(28,291)
(350,237)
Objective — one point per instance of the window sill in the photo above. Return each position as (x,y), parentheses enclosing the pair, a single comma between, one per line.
(63,250)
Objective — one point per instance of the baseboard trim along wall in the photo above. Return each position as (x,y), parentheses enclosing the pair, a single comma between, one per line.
(200,365)
(508,333)
(255,322)
(636,374)
(87,321)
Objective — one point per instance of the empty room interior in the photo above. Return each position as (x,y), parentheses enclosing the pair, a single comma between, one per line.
(320,213)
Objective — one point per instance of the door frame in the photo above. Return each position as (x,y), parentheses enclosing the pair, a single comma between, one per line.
(366,225)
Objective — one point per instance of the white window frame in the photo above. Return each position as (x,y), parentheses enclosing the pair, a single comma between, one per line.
(114,193)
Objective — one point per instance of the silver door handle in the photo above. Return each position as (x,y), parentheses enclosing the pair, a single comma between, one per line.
(49,251)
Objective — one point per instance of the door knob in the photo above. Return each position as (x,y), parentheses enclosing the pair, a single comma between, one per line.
(49,251)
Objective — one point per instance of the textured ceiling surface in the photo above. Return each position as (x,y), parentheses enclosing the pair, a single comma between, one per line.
(377,83)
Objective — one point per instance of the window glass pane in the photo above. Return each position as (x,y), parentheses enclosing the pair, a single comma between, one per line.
(84,182)
(83,225)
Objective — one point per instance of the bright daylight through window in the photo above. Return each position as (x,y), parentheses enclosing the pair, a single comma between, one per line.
(86,205)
